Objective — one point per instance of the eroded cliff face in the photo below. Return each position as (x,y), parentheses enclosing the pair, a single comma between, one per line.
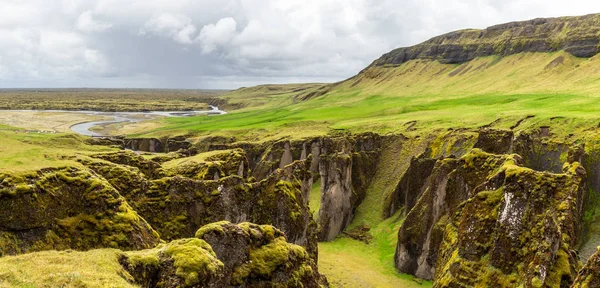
(519,227)
(495,218)
(575,35)
(67,208)
(480,206)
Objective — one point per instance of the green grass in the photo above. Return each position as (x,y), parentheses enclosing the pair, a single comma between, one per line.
(107,99)
(21,152)
(386,99)
(314,200)
(198,158)
(350,263)
(95,268)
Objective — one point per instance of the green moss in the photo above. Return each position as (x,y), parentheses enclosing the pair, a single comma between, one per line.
(192,257)
(268,258)
(217,227)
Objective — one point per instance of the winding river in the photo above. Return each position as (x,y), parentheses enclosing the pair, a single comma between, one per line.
(122,117)
(83,128)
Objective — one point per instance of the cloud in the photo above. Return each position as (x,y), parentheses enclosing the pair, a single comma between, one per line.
(213,35)
(86,23)
(178,27)
(229,43)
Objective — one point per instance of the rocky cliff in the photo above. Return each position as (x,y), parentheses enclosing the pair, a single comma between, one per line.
(225,255)
(575,35)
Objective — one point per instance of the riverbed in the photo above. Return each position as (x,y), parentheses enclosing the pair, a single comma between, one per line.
(108,118)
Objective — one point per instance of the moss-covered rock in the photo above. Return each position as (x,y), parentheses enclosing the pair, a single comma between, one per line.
(232,162)
(225,255)
(67,208)
(149,168)
(495,141)
(451,182)
(412,185)
(346,167)
(520,227)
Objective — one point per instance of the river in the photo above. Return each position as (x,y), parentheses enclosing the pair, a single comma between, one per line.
(122,117)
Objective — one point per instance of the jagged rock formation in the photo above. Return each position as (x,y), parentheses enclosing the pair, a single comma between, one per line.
(345,166)
(67,208)
(179,201)
(519,227)
(575,35)
(169,144)
(412,184)
(225,255)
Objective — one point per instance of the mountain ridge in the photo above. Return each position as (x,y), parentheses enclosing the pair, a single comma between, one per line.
(577,35)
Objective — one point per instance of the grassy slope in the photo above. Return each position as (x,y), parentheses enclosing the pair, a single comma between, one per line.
(435,95)
(20,152)
(387,99)
(96,268)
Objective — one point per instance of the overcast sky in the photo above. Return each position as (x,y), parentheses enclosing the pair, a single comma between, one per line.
(228,43)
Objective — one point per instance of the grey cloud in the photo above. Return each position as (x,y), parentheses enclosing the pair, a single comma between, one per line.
(228,43)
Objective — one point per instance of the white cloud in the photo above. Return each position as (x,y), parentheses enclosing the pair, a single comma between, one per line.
(87,23)
(179,27)
(186,43)
(213,35)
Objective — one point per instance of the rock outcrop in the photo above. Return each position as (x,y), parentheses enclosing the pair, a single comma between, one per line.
(163,145)
(225,255)
(521,227)
(178,201)
(575,35)
(346,167)
(484,218)
(67,208)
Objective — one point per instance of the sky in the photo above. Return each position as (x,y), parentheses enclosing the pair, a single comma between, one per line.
(226,44)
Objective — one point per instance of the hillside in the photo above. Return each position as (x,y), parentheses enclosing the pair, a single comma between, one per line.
(470,160)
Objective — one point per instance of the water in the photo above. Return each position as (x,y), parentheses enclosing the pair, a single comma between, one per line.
(123,117)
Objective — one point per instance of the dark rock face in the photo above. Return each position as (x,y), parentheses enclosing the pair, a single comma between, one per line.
(542,154)
(346,167)
(225,255)
(172,144)
(529,237)
(575,35)
(451,183)
(412,184)
(67,208)
(495,141)
(144,144)
(486,219)
(190,196)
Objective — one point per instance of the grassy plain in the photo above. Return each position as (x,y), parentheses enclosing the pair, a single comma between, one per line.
(48,121)
(351,263)
(108,99)
(21,152)
(418,97)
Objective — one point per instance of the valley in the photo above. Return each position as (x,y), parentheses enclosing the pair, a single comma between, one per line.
(470,160)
